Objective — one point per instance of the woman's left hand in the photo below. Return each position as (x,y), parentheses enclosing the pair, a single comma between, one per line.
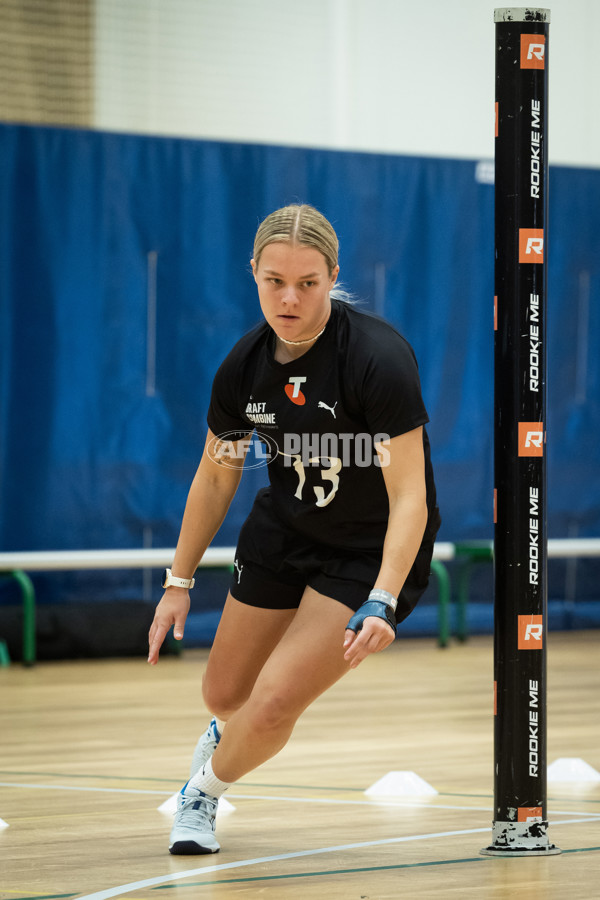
(375,635)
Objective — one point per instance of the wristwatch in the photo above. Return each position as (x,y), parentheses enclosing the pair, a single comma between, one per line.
(170,579)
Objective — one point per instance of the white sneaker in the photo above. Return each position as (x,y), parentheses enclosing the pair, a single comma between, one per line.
(193,831)
(205,747)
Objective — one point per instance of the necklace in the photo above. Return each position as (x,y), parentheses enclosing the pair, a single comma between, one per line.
(299,343)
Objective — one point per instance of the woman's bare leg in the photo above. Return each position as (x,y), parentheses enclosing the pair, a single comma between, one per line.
(307,659)
(245,639)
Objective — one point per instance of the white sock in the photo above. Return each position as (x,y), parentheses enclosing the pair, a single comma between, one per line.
(206,781)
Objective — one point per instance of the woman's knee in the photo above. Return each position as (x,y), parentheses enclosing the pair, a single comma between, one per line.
(272,711)
(223,698)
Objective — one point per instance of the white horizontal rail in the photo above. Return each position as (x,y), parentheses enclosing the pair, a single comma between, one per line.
(570,547)
(61,560)
(54,560)
(558,548)
(444,551)
(148,558)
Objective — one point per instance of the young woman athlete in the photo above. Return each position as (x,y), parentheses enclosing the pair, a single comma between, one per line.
(337,550)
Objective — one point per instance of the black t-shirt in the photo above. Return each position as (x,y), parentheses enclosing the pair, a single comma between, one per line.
(319,416)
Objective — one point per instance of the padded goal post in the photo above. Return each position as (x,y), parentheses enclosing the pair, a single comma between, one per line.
(520,511)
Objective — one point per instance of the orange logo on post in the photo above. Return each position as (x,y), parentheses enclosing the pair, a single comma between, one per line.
(531,631)
(531,438)
(533,51)
(529,814)
(531,245)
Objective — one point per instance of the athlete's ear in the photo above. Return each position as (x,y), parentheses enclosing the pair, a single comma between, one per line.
(255,268)
(334,274)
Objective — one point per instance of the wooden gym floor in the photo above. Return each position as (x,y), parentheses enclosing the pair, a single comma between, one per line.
(91,749)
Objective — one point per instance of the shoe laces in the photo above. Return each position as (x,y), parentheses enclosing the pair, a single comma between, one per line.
(198,812)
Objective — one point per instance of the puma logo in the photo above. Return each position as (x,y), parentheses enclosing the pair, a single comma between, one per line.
(330,408)
(238,569)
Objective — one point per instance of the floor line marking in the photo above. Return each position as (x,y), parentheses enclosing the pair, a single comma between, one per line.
(384,801)
(76,787)
(257,784)
(322,800)
(325,872)
(387,802)
(434,862)
(206,870)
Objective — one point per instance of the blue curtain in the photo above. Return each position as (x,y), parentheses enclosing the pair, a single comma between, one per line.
(125,279)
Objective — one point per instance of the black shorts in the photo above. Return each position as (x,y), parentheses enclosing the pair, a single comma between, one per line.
(274,564)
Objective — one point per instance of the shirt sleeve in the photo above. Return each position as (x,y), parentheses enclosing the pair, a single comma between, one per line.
(224,415)
(391,389)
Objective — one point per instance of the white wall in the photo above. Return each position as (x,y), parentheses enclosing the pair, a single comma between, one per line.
(377,75)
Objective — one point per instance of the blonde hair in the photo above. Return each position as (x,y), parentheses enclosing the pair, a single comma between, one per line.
(298,224)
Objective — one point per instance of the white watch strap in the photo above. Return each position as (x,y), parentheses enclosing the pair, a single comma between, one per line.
(179,582)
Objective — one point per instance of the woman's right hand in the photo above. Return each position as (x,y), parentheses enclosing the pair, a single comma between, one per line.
(172,610)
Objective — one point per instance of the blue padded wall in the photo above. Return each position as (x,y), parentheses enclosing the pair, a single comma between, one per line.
(102,417)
